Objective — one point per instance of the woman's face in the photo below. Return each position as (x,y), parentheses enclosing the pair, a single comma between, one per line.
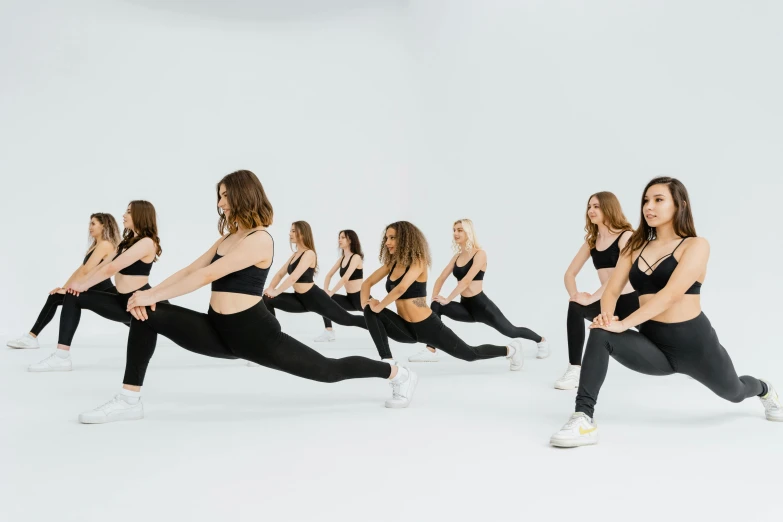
(391,240)
(223,201)
(658,206)
(343,242)
(96,229)
(460,237)
(293,237)
(127,220)
(594,212)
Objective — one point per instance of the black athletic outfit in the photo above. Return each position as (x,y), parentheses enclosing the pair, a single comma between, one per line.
(314,300)
(55,300)
(253,334)
(689,347)
(578,314)
(480,309)
(350,301)
(430,331)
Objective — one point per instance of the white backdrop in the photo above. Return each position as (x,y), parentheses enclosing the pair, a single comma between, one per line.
(355,114)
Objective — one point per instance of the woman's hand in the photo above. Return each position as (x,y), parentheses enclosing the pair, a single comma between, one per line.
(58,290)
(76,288)
(375,305)
(271,293)
(442,300)
(330,293)
(615,326)
(142,299)
(140,312)
(582,298)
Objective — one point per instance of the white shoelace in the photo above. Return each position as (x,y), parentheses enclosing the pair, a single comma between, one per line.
(573,421)
(395,390)
(110,403)
(571,373)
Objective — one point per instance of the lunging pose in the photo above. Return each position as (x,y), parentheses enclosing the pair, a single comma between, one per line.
(666,263)
(237,325)
(405,258)
(468,266)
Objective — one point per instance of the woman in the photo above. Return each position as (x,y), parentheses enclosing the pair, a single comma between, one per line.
(351,267)
(130,267)
(238,324)
(666,263)
(105,236)
(405,257)
(307,297)
(607,233)
(468,266)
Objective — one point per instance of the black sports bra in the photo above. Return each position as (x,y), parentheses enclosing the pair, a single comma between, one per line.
(417,288)
(654,282)
(461,271)
(607,258)
(139,268)
(307,275)
(357,274)
(249,281)
(103,285)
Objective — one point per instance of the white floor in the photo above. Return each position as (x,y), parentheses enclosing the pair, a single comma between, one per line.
(222,442)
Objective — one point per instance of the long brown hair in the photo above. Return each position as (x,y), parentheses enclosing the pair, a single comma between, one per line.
(145,222)
(412,246)
(353,237)
(682,221)
(614,218)
(111,232)
(305,235)
(248,202)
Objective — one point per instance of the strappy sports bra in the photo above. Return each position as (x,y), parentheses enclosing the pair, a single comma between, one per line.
(607,258)
(357,274)
(654,282)
(461,271)
(417,288)
(307,275)
(249,281)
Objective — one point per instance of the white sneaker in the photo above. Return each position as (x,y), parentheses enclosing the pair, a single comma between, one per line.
(326,337)
(251,363)
(402,392)
(517,358)
(580,430)
(773,409)
(543,349)
(26,341)
(570,379)
(117,409)
(424,356)
(53,363)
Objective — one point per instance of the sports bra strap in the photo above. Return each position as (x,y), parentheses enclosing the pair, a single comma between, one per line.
(678,246)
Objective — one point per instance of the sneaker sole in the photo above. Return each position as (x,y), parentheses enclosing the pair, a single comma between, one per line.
(397,405)
(22,347)
(50,370)
(135,416)
(542,356)
(423,360)
(773,418)
(324,340)
(577,443)
(564,387)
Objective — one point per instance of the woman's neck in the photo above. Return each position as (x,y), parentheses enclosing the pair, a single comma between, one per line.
(666,233)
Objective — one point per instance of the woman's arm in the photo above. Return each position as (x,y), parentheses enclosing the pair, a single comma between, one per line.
(248,252)
(304,263)
(479,260)
(371,281)
(574,268)
(355,260)
(443,276)
(615,285)
(203,260)
(101,251)
(624,237)
(413,273)
(330,273)
(139,250)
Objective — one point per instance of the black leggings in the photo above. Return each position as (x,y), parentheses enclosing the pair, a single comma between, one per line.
(480,309)
(55,300)
(253,334)
(431,331)
(314,300)
(690,348)
(110,305)
(351,302)
(577,314)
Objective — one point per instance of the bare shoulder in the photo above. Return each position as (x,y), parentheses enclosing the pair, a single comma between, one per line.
(699,244)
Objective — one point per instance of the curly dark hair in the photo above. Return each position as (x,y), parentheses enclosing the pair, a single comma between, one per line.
(412,246)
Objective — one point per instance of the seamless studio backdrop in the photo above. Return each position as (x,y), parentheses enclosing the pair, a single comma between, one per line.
(358,113)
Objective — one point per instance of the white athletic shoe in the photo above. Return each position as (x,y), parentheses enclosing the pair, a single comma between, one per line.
(402,392)
(517,358)
(424,356)
(570,379)
(326,337)
(580,430)
(251,363)
(53,363)
(117,409)
(773,409)
(26,341)
(543,349)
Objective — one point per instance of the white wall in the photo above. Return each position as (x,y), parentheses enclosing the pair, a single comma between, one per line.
(355,114)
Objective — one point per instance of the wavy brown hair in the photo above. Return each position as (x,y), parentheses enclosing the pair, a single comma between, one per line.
(145,222)
(353,237)
(111,232)
(249,205)
(304,234)
(683,217)
(412,246)
(614,218)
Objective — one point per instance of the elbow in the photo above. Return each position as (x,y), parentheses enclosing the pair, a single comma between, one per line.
(109,270)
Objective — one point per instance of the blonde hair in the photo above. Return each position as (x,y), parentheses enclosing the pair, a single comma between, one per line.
(472,242)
